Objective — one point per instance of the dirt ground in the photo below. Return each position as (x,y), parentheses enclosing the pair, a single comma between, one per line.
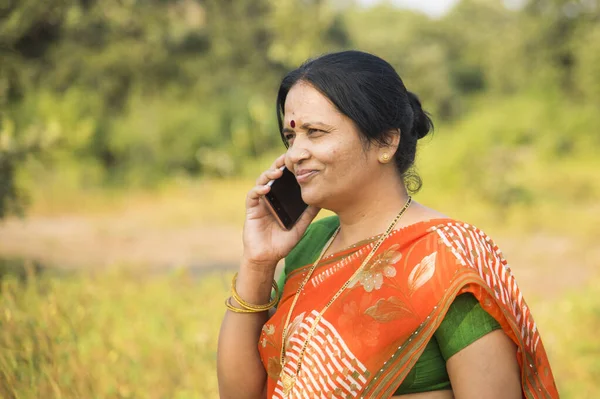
(545,265)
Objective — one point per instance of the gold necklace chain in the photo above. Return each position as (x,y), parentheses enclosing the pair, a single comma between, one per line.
(289,380)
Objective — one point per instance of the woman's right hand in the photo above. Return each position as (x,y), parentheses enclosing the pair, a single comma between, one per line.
(265,241)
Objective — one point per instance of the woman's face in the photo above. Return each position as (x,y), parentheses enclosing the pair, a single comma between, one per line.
(326,153)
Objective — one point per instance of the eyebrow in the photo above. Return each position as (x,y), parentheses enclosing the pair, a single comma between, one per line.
(304,126)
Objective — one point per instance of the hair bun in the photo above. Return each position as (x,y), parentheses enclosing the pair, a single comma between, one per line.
(422,124)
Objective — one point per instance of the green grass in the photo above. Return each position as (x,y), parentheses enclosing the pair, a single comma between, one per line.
(111,335)
(120,335)
(569,328)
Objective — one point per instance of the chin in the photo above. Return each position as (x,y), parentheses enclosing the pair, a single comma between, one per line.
(319,200)
(312,197)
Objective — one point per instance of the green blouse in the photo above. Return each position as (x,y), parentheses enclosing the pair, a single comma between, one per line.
(464,323)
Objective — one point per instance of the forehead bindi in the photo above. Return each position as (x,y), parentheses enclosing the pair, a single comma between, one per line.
(292,121)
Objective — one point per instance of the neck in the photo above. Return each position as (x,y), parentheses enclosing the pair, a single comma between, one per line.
(370,213)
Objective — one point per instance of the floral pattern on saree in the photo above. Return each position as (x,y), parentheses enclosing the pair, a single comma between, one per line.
(383,265)
(356,319)
(373,334)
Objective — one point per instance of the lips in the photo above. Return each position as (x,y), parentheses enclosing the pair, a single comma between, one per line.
(304,175)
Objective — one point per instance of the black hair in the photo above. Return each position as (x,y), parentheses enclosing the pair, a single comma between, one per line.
(370,92)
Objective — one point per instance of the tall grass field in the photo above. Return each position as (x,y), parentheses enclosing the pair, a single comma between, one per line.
(118,335)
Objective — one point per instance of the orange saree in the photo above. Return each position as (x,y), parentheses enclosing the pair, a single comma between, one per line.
(372,335)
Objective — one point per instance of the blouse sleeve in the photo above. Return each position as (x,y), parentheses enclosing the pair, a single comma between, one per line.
(465,322)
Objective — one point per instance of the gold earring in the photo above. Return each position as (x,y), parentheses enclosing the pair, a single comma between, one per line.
(385,158)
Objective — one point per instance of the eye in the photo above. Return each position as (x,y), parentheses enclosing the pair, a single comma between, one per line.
(311,131)
(289,137)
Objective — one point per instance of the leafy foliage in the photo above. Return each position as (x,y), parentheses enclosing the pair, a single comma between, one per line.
(133,92)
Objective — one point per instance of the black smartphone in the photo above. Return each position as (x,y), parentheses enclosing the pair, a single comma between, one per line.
(285,199)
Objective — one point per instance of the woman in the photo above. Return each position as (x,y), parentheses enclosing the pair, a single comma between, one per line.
(386,299)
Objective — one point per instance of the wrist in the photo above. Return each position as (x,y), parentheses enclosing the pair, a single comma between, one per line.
(255,282)
(258,268)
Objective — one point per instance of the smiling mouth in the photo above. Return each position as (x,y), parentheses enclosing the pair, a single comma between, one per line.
(305,176)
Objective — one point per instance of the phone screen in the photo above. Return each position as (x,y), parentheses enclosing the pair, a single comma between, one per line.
(285,199)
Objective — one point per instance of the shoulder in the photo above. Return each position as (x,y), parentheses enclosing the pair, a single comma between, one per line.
(466,242)
(458,234)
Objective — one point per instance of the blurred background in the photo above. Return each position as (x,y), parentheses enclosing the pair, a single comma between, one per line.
(130,132)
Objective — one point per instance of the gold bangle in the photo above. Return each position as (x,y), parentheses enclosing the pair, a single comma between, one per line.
(229,306)
(250,306)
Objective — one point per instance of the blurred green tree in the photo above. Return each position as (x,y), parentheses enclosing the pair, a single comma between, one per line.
(132,92)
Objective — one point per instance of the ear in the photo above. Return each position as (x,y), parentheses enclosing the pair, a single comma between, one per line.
(392,140)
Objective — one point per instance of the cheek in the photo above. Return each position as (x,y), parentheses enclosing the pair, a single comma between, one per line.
(335,152)
(353,167)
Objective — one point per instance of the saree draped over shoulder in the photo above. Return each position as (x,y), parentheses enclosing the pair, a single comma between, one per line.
(372,335)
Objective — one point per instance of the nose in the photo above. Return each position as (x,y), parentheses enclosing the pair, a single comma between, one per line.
(296,154)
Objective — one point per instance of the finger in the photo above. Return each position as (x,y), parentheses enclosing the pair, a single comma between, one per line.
(269,175)
(279,162)
(253,197)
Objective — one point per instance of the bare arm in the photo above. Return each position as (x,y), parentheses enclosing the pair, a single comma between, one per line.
(240,371)
(486,369)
